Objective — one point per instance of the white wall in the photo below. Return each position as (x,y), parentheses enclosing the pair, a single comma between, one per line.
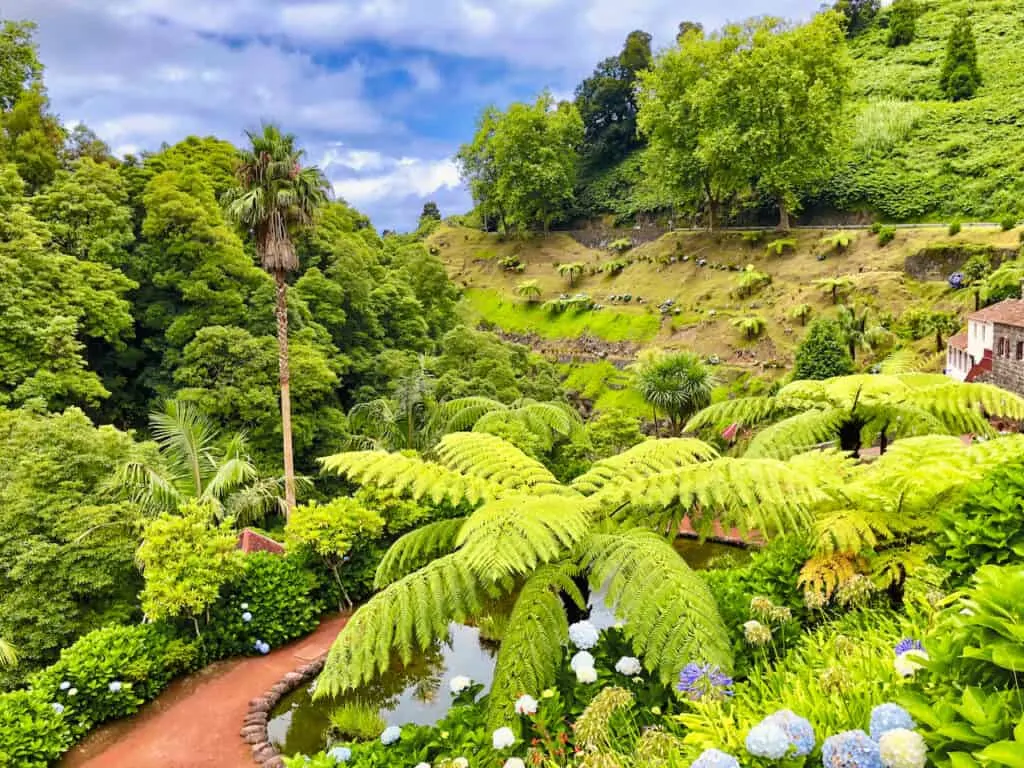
(979,338)
(958,363)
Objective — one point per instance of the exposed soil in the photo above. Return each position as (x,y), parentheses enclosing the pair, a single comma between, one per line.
(195,723)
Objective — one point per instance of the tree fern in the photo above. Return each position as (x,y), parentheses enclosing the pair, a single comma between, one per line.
(515,534)
(643,460)
(417,548)
(748,411)
(671,616)
(462,413)
(407,616)
(796,434)
(822,575)
(850,531)
(531,648)
(496,461)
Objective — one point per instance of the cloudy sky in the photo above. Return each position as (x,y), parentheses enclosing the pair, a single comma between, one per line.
(380,92)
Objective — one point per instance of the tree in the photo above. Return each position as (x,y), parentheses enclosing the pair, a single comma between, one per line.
(822,354)
(430,211)
(529,290)
(607,104)
(185,559)
(854,330)
(571,272)
(834,286)
(751,327)
(853,411)
(801,312)
(197,466)
(677,385)
(331,530)
(902,22)
(960,77)
(686,27)
(858,14)
(277,195)
(20,67)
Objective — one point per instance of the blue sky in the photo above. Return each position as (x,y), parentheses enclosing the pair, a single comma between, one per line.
(380,92)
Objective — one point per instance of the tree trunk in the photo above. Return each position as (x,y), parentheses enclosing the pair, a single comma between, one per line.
(712,208)
(783,215)
(286,398)
(853,351)
(977,300)
(883,443)
(657,429)
(938,339)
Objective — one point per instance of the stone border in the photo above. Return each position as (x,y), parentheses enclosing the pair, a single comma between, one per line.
(254,728)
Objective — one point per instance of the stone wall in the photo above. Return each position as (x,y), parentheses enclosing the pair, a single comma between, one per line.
(938,262)
(1008,367)
(254,728)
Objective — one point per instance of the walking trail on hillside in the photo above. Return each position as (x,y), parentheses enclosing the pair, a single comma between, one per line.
(195,723)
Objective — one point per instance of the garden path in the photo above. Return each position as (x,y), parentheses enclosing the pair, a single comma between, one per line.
(195,723)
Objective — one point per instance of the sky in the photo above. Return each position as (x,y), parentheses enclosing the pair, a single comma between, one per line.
(379,92)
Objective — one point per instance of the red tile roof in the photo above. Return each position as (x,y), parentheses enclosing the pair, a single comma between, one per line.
(251,541)
(959,341)
(980,369)
(1009,312)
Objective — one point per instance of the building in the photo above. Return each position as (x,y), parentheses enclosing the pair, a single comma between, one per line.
(992,348)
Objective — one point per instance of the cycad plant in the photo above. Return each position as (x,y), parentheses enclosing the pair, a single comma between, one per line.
(854,411)
(677,385)
(276,196)
(536,539)
(197,462)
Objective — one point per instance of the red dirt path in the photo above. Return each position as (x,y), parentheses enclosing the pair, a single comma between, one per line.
(195,722)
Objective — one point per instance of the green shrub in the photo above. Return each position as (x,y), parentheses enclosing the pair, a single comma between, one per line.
(977,268)
(886,235)
(840,241)
(753,237)
(822,353)
(954,227)
(511,264)
(614,267)
(780,246)
(876,228)
(358,722)
(750,281)
(902,23)
(1008,223)
(32,733)
(621,245)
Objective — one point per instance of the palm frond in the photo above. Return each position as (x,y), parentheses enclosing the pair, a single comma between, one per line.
(643,460)
(229,476)
(153,488)
(671,616)
(186,437)
(417,548)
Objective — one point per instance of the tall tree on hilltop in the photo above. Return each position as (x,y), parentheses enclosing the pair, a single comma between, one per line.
(275,196)
(858,14)
(960,77)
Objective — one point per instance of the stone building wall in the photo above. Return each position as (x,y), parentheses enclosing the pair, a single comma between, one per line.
(1008,357)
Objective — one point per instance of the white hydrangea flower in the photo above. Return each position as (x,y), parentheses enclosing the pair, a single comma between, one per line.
(460,762)
(767,740)
(459,683)
(586,675)
(581,659)
(514,762)
(65,685)
(628,666)
(526,705)
(902,748)
(584,635)
(115,686)
(908,663)
(58,707)
(503,738)
(422,765)
(73,692)
(390,735)
(245,606)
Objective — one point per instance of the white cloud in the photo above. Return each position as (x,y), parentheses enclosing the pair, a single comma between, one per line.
(400,178)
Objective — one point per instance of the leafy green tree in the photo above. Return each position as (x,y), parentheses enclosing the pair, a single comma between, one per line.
(277,195)
(331,530)
(686,27)
(607,103)
(902,22)
(571,272)
(185,559)
(613,432)
(83,143)
(678,385)
(197,466)
(857,332)
(960,77)
(66,545)
(428,279)
(834,286)
(20,67)
(822,353)
(430,211)
(521,164)
(918,322)
(31,138)
(529,290)
(857,14)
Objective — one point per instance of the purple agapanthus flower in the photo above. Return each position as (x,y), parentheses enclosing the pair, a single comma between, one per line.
(908,644)
(699,681)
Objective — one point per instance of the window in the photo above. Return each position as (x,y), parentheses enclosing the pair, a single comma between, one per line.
(1020,350)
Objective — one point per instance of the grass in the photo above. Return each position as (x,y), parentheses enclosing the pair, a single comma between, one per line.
(607,386)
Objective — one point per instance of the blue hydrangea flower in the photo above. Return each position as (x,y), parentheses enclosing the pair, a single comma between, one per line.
(246,617)
(340,754)
(698,681)
(58,707)
(850,749)
(908,644)
(390,735)
(798,729)
(263,647)
(115,686)
(715,758)
(889,717)
(767,740)
(956,280)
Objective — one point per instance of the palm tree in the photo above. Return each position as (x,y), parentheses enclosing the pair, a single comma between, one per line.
(275,196)
(529,290)
(853,327)
(678,385)
(571,272)
(834,286)
(195,463)
(8,654)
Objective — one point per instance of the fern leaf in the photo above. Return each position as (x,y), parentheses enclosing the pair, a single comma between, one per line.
(671,616)
(643,460)
(823,575)
(493,460)
(748,411)
(406,617)
(531,648)
(417,548)
(850,531)
(797,434)
(462,413)
(514,535)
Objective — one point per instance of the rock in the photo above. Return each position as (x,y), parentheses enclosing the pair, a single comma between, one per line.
(263,751)
(262,704)
(292,678)
(274,762)
(256,718)
(254,735)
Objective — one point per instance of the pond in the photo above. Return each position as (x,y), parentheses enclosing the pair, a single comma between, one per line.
(419,693)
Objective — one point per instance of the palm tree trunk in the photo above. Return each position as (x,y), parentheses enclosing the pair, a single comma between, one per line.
(286,398)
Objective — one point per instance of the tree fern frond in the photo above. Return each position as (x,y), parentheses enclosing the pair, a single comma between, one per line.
(822,575)
(412,476)
(894,565)
(643,460)
(417,548)
(671,616)
(515,534)
(796,434)
(850,531)
(406,617)
(497,461)
(531,648)
(955,403)
(460,414)
(748,411)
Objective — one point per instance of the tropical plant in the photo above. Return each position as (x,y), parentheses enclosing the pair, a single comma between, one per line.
(854,328)
(677,385)
(8,654)
(614,267)
(781,246)
(840,241)
(530,535)
(529,290)
(834,286)
(195,463)
(751,281)
(571,272)
(854,411)
(801,313)
(751,327)
(275,197)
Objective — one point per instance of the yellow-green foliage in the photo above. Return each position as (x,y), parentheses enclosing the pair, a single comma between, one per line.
(610,388)
(641,461)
